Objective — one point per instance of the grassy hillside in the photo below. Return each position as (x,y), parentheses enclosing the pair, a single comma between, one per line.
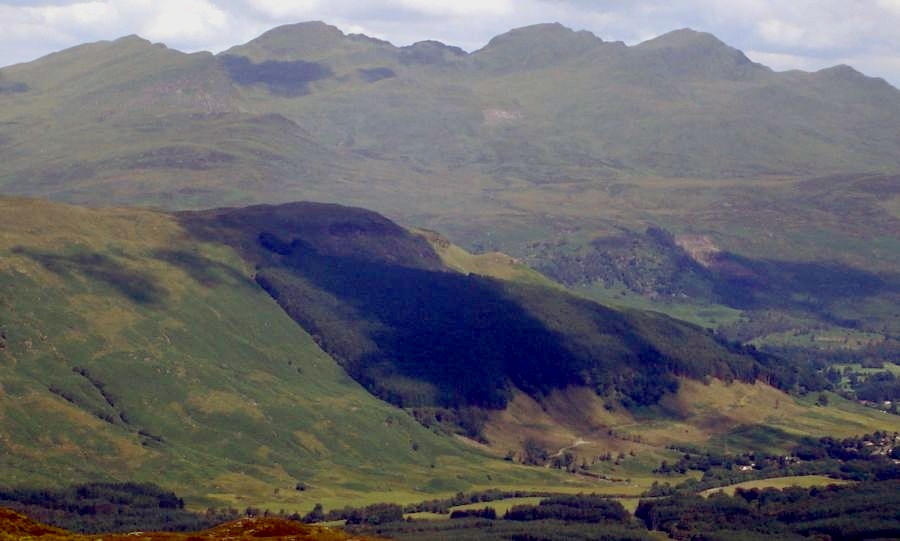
(715,416)
(137,345)
(131,351)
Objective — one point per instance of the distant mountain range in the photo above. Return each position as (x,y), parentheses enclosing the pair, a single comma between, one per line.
(305,111)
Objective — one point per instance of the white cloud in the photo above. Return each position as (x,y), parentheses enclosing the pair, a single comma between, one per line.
(75,16)
(890,6)
(81,13)
(780,32)
(182,20)
(358,29)
(459,8)
(285,8)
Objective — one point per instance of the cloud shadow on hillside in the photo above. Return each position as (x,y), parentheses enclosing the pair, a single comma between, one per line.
(137,286)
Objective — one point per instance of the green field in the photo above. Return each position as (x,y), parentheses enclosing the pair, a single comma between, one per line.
(802,481)
(710,316)
(857,367)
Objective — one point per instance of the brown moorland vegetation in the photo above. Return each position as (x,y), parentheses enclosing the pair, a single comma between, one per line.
(16,526)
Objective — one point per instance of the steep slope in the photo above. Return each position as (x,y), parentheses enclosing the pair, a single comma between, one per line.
(130,351)
(419,335)
(484,344)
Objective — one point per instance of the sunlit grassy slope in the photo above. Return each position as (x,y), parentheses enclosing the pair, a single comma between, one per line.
(715,416)
(130,351)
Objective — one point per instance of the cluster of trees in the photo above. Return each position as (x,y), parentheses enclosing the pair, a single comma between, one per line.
(861,511)
(111,507)
(707,461)
(874,355)
(487,513)
(864,458)
(817,371)
(648,263)
(480,529)
(556,518)
(375,514)
(843,449)
(379,513)
(469,421)
(578,508)
(878,387)
(443,506)
(858,511)
(534,454)
(463,347)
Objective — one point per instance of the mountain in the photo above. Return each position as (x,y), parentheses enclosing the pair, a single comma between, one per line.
(287,345)
(538,105)
(233,354)
(548,144)
(535,47)
(689,54)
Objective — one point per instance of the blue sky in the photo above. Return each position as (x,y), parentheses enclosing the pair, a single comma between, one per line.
(783,34)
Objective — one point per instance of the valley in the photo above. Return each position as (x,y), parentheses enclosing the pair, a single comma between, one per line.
(556,286)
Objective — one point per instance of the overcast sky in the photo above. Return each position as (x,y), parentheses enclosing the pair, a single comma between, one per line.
(783,34)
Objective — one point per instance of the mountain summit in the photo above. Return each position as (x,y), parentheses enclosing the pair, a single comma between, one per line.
(535,46)
(688,53)
(302,41)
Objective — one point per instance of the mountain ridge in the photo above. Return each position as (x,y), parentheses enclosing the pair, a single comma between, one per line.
(312,31)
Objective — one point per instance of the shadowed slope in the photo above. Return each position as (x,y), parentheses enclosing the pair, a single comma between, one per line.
(417,334)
